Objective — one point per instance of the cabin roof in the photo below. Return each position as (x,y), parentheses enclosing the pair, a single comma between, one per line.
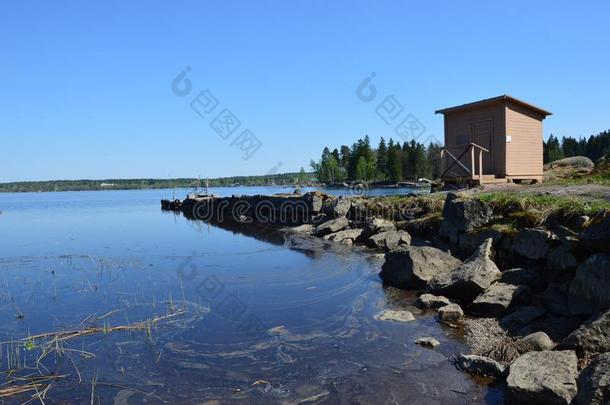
(482,103)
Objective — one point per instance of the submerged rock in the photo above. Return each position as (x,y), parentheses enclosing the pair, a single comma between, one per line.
(590,338)
(589,290)
(496,299)
(432,301)
(414,266)
(334,225)
(451,312)
(594,382)
(398,316)
(547,377)
(471,278)
(390,240)
(479,365)
(427,342)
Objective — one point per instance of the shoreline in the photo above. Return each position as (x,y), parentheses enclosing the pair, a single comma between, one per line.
(520,279)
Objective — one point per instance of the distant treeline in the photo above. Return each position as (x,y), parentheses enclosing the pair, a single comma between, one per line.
(595,147)
(390,161)
(132,184)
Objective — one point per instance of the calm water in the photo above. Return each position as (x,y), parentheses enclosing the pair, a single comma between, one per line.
(251,320)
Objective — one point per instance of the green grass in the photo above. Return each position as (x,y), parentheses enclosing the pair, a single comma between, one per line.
(530,204)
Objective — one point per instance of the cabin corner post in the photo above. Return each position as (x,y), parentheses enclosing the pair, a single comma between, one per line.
(472,171)
(481,164)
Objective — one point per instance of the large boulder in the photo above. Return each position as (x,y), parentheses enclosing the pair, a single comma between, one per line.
(547,377)
(341,206)
(479,365)
(347,236)
(589,290)
(332,226)
(575,166)
(389,240)
(594,382)
(532,243)
(597,236)
(463,214)
(414,266)
(496,299)
(470,279)
(590,338)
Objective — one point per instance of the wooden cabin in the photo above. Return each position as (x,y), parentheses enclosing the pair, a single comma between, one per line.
(496,140)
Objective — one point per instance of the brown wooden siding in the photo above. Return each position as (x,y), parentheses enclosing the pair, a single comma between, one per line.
(458,130)
(524,152)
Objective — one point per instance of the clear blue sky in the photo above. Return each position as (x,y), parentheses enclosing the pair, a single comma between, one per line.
(85,89)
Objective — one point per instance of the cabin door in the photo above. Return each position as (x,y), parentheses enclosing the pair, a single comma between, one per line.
(481,134)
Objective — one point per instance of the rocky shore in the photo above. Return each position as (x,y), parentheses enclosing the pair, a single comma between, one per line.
(532,294)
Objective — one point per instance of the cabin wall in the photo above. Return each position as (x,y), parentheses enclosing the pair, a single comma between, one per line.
(524,151)
(458,129)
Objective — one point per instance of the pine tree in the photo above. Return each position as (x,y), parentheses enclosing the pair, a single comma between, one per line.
(382,160)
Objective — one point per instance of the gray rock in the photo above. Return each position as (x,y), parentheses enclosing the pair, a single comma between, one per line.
(390,240)
(451,312)
(347,236)
(496,299)
(469,241)
(573,162)
(597,236)
(589,289)
(463,214)
(524,315)
(532,243)
(547,377)
(334,225)
(319,219)
(305,228)
(561,259)
(378,225)
(479,365)
(592,337)
(519,276)
(594,382)
(397,316)
(342,206)
(555,299)
(414,266)
(470,279)
(427,342)
(537,341)
(432,301)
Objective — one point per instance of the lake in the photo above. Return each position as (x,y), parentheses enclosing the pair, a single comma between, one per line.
(136,305)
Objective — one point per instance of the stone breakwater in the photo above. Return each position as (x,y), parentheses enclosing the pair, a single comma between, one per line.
(534,302)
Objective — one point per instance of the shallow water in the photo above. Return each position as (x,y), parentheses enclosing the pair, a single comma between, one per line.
(253,320)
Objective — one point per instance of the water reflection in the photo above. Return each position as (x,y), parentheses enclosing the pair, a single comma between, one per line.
(264,322)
